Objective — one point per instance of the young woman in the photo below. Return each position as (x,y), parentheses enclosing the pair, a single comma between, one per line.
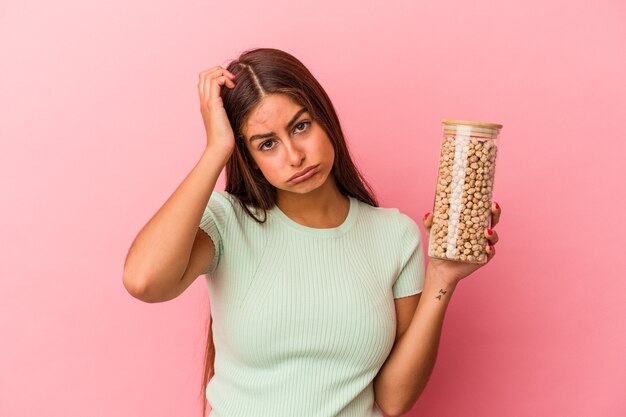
(313,288)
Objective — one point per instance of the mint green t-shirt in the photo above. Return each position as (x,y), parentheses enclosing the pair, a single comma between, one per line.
(304,318)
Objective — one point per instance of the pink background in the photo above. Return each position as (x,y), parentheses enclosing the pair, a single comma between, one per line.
(100,123)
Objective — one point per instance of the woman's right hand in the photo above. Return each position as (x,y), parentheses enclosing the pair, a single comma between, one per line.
(219,132)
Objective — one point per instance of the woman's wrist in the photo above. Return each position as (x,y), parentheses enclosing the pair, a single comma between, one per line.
(439,276)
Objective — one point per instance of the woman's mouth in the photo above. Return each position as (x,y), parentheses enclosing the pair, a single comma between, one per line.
(308,174)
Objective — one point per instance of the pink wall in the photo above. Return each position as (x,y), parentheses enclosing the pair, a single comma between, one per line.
(100,123)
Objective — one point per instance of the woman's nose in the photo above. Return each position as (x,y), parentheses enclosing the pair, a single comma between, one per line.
(294,154)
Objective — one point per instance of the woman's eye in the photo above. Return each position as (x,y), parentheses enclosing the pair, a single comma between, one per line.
(263,147)
(303,123)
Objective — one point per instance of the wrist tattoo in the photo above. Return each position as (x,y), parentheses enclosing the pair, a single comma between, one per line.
(441,292)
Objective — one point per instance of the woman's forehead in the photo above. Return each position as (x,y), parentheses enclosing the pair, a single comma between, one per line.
(274,112)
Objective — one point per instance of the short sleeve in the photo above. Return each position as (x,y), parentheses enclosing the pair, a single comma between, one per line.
(410,279)
(213,223)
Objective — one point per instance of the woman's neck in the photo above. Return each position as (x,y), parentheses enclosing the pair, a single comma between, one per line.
(325,207)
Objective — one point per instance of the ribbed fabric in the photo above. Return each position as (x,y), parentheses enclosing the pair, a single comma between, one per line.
(304,318)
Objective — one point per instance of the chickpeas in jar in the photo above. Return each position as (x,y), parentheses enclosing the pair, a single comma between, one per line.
(461,211)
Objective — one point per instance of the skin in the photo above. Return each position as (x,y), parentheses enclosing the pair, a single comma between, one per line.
(316,202)
(456,271)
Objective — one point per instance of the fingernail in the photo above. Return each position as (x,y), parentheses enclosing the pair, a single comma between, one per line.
(489,232)
(426,215)
(497,206)
(490,248)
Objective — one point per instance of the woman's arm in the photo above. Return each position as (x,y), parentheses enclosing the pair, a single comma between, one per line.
(160,253)
(406,371)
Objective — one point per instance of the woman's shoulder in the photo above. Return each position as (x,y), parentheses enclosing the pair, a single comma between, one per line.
(386,216)
(230,204)
(390,225)
(225,198)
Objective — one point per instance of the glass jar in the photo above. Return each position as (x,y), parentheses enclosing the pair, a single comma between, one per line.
(461,211)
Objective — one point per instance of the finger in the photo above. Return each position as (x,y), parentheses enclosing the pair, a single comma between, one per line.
(496,210)
(491,251)
(202,80)
(428,221)
(216,81)
(201,86)
(205,77)
(210,70)
(493,237)
(221,71)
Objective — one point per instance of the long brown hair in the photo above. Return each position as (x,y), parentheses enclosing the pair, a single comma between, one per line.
(260,72)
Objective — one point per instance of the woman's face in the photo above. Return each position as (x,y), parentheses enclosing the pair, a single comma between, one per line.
(294,142)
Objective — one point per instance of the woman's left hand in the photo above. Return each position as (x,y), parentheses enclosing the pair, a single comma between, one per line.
(454,270)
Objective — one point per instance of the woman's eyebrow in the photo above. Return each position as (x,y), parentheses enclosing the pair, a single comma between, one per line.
(292,121)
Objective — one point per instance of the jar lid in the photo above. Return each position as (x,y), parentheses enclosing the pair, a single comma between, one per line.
(469,128)
(470,123)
